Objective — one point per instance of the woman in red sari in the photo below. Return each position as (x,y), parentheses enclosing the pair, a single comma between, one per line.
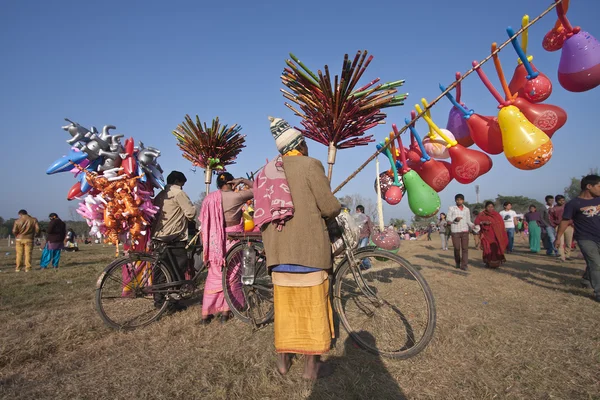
(494,239)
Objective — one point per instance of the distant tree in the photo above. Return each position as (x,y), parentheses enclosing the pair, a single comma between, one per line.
(422,222)
(74,215)
(519,203)
(397,222)
(353,200)
(198,203)
(574,187)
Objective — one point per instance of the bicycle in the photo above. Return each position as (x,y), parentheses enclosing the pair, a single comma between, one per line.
(395,320)
(137,289)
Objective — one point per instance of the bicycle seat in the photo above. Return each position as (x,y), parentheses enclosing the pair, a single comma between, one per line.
(244,235)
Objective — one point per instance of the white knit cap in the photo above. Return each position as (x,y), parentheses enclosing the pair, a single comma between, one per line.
(286,137)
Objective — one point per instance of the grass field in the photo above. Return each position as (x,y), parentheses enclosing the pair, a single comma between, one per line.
(524,331)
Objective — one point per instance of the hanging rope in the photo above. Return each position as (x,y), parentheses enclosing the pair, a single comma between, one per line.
(448,89)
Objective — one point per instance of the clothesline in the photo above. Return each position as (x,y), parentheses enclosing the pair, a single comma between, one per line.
(448,89)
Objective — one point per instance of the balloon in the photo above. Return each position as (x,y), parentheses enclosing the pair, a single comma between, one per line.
(458,126)
(535,89)
(554,40)
(527,81)
(546,117)
(525,146)
(422,199)
(436,147)
(64,163)
(467,164)
(579,67)
(388,240)
(485,132)
(78,132)
(386,180)
(435,173)
(129,164)
(75,191)
(393,195)
(248,221)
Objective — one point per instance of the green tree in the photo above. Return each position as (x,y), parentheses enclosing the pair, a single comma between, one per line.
(397,222)
(421,221)
(574,187)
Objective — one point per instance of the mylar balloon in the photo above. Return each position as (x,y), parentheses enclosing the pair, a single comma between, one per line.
(525,146)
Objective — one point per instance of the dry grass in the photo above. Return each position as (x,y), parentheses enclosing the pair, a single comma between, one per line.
(525,331)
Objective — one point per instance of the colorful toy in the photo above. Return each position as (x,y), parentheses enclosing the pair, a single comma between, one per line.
(457,122)
(422,199)
(211,148)
(394,193)
(466,164)
(579,67)
(334,113)
(527,81)
(433,172)
(554,39)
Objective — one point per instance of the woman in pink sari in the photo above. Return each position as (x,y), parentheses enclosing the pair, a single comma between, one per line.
(221,214)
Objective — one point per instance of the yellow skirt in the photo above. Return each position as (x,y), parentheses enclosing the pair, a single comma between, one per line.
(303,319)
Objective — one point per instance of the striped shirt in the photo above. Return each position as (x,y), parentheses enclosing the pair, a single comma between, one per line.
(464,224)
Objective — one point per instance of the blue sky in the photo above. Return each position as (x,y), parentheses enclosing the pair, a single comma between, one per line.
(144,65)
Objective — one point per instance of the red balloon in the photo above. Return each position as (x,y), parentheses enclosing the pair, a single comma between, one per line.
(535,90)
(553,41)
(128,163)
(75,191)
(393,195)
(486,133)
(546,117)
(435,173)
(467,164)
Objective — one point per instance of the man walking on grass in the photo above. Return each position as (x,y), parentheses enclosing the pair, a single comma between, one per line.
(510,222)
(584,212)
(25,229)
(459,216)
(57,231)
(548,233)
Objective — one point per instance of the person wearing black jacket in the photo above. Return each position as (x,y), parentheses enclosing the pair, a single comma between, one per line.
(57,231)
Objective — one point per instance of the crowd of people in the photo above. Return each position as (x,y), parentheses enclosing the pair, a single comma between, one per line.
(558,227)
(293,204)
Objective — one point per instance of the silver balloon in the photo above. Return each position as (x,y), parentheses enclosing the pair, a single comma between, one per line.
(78,132)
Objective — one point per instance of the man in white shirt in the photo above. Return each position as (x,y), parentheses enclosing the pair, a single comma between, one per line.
(510,222)
(459,217)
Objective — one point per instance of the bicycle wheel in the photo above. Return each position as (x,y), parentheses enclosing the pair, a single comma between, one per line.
(387,309)
(250,303)
(125,298)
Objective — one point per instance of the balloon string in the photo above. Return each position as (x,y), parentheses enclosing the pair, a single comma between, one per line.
(562,16)
(522,55)
(487,83)
(437,99)
(458,87)
(414,133)
(500,73)
(405,167)
(433,126)
(466,113)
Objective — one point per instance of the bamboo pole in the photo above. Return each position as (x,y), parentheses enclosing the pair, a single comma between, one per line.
(208,178)
(448,89)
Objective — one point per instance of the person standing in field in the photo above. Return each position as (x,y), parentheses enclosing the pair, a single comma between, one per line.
(548,232)
(443,225)
(494,239)
(459,217)
(366,230)
(57,231)
(535,224)
(25,229)
(566,239)
(584,212)
(299,254)
(510,223)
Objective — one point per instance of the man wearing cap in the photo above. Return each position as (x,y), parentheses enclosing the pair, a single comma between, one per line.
(57,231)
(25,229)
(299,256)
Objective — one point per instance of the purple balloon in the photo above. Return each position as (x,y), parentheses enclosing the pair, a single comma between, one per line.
(579,68)
(457,124)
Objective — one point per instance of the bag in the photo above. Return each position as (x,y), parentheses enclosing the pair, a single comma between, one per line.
(345,223)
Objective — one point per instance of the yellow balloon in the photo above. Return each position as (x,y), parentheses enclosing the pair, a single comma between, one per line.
(525,145)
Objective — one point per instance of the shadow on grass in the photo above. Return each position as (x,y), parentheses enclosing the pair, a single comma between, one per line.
(357,372)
